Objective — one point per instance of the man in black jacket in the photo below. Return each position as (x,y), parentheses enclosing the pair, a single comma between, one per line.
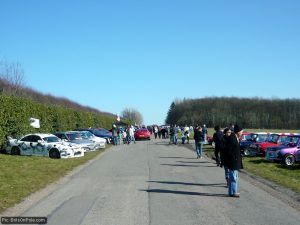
(233,160)
(218,139)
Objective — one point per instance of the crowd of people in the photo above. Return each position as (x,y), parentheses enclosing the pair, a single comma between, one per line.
(120,134)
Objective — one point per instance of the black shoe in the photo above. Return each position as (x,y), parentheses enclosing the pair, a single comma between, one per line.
(236,195)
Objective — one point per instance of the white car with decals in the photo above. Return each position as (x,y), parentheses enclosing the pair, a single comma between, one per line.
(43,145)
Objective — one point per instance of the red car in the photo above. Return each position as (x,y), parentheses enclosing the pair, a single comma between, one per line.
(142,133)
(272,141)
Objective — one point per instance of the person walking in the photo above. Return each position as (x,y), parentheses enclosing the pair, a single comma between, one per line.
(204,130)
(227,133)
(155,131)
(233,160)
(218,139)
(131,134)
(115,134)
(186,133)
(199,138)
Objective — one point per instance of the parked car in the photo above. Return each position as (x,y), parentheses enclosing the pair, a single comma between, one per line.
(99,142)
(75,137)
(273,140)
(43,145)
(142,133)
(103,133)
(252,138)
(288,153)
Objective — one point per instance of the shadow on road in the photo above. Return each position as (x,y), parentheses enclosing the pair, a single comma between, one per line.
(185,183)
(193,162)
(172,157)
(163,191)
(166,164)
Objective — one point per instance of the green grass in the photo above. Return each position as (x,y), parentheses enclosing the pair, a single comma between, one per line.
(22,175)
(288,177)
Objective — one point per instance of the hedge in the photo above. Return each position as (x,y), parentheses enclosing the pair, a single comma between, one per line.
(15,113)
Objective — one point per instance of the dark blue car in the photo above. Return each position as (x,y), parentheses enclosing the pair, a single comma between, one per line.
(99,133)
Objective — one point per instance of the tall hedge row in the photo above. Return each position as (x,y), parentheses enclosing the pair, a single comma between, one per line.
(15,113)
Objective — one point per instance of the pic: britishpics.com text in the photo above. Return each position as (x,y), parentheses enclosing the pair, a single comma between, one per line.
(23,220)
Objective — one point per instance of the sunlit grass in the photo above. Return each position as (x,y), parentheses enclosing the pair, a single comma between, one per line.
(288,177)
(23,175)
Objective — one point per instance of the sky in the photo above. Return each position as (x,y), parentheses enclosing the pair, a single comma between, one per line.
(116,54)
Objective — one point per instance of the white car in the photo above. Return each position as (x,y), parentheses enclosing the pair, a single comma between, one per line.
(99,142)
(43,145)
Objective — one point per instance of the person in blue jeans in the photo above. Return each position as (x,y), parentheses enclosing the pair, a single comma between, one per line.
(227,133)
(199,138)
(233,160)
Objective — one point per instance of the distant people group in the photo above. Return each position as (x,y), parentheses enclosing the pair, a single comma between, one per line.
(121,134)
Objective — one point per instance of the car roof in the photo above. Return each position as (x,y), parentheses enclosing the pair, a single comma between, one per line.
(42,135)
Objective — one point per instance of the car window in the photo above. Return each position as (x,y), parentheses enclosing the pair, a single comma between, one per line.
(35,138)
(61,136)
(27,138)
(51,139)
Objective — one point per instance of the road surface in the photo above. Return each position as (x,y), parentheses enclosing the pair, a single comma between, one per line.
(152,182)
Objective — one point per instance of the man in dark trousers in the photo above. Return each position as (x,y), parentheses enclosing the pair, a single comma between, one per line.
(218,139)
(233,160)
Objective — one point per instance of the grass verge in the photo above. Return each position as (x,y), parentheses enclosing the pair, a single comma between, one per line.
(288,177)
(22,175)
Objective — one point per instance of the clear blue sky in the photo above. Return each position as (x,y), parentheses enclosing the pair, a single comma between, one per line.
(117,54)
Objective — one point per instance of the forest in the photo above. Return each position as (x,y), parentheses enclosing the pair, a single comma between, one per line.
(257,113)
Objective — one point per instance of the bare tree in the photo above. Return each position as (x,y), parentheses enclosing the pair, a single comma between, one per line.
(13,73)
(133,115)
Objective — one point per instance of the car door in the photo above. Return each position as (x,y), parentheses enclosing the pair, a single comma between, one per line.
(37,145)
(297,153)
(26,145)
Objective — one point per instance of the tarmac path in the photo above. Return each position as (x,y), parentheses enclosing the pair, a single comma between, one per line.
(152,182)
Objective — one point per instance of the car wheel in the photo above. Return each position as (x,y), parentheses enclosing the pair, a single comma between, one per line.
(246,152)
(54,154)
(15,151)
(289,160)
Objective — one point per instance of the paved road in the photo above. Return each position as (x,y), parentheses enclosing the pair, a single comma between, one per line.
(151,182)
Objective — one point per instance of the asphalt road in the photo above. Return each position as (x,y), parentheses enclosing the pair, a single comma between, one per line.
(151,182)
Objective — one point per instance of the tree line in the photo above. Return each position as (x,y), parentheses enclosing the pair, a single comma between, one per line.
(255,113)
(12,83)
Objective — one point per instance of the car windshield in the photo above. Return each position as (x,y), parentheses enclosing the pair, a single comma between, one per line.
(74,136)
(261,137)
(247,137)
(51,139)
(286,140)
(86,134)
(103,130)
(273,138)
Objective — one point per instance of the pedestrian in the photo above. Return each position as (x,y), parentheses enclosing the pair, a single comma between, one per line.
(115,134)
(159,132)
(155,131)
(163,132)
(218,140)
(173,138)
(233,160)
(124,134)
(227,133)
(186,133)
(204,130)
(199,138)
(131,133)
